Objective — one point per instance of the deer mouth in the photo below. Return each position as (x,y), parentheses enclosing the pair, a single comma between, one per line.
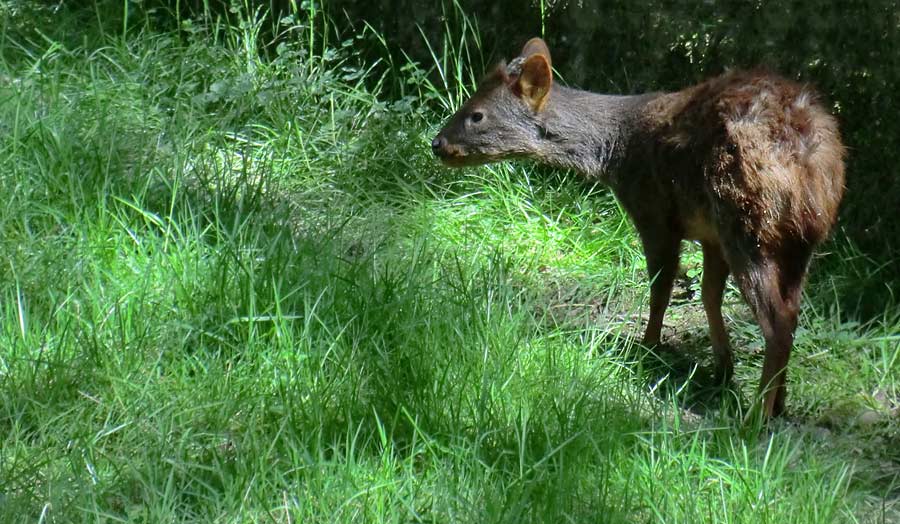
(459,160)
(454,155)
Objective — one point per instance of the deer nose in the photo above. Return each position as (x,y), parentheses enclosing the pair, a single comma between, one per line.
(438,144)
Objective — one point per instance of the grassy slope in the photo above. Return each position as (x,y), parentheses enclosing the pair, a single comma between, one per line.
(239,290)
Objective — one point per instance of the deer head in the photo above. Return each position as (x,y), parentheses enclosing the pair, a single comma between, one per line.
(503,118)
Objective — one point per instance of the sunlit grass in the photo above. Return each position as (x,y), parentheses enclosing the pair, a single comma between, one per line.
(237,288)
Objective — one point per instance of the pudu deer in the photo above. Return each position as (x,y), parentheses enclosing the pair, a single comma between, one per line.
(748,164)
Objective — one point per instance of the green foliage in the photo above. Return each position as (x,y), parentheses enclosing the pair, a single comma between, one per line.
(235,287)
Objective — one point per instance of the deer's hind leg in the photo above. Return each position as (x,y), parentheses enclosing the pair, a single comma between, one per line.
(772,286)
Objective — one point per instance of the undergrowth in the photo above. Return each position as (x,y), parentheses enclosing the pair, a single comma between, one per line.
(235,287)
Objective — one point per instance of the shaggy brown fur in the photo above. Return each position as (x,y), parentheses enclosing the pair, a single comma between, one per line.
(748,164)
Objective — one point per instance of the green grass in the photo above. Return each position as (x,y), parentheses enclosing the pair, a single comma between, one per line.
(238,289)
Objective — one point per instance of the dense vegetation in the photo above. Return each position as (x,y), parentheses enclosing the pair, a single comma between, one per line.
(234,286)
(846,49)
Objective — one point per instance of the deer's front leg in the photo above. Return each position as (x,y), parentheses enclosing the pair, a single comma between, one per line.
(715,274)
(662,251)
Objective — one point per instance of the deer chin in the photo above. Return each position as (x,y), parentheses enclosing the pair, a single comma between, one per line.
(461,159)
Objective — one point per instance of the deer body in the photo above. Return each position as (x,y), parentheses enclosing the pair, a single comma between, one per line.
(748,164)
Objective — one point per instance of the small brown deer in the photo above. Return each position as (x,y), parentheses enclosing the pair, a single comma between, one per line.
(748,164)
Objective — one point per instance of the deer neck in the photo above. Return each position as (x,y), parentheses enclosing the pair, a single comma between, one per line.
(588,132)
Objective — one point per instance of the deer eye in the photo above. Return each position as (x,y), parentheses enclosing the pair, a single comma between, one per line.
(476,117)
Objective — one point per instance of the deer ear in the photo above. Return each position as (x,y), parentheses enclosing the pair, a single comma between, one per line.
(536,46)
(534,81)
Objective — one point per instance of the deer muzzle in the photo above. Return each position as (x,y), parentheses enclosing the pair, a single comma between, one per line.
(439,146)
